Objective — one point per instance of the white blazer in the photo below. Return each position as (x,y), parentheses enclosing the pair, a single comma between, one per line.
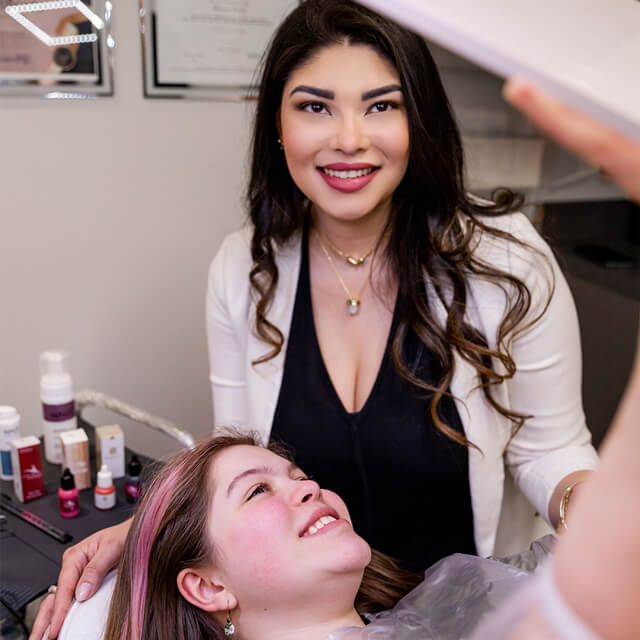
(547,384)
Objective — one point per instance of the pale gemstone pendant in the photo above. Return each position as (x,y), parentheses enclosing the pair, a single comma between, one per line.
(353,306)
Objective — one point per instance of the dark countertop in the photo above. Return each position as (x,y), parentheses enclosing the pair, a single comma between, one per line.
(31,559)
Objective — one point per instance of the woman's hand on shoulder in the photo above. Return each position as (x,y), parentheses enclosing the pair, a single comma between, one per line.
(84,567)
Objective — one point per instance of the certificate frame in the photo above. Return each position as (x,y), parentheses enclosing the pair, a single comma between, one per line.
(56,50)
(160,81)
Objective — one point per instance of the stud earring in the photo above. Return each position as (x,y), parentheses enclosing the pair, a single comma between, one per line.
(280,143)
(229,627)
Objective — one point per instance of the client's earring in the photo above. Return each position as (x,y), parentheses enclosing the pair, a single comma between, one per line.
(229,627)
(280,143)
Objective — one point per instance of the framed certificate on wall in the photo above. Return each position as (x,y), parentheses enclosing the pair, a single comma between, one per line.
(206,48)
(56,49)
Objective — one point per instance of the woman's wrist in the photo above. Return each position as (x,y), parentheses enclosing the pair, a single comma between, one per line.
(564,504)
(565,493)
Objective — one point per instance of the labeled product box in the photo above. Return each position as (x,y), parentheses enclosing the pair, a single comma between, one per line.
(75,456)
(26,460)
(110,449)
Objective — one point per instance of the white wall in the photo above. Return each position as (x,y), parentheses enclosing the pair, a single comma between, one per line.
(110,211)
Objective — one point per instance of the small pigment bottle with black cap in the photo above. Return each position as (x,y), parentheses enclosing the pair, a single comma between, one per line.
(68,496)
(132,484)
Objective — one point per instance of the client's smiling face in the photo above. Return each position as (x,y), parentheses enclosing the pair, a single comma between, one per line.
(275,532)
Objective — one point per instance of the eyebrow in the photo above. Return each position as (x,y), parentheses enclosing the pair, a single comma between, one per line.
(330,95)
(374,93)
(262,470)
(314,91)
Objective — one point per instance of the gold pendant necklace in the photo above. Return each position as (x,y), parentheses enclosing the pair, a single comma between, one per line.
(354,261)
(353,302)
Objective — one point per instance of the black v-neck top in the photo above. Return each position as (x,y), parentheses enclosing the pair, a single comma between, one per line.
(406,484)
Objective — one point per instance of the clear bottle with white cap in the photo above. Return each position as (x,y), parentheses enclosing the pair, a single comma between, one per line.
(104,495)
(9,430)
(58,408)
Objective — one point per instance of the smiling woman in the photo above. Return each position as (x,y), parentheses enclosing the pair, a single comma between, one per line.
(262,540)
(457,353)
(232,539)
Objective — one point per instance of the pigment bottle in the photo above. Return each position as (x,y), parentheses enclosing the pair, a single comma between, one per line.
(105,492)
(9,424)
(68,496)
(132,486)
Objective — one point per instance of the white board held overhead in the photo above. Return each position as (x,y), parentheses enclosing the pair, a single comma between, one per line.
(586,53)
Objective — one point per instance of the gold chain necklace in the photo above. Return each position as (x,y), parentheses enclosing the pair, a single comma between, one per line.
(351,260)
(353,302)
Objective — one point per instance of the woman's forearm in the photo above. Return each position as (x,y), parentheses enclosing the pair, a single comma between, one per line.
(597,564)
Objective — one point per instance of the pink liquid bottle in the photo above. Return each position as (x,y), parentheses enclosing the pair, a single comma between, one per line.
(68,496)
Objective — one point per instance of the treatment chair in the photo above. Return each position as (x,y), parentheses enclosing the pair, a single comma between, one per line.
(90,398)
(88,620)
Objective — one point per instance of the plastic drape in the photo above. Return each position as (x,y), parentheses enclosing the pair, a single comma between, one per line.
(457,594)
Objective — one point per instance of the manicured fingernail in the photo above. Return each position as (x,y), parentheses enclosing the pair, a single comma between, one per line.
(83,591)
(511,88)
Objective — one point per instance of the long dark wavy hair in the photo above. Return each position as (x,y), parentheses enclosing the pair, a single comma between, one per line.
(434,223)
(169,533)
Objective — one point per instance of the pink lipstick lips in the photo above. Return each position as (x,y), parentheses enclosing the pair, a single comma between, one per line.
(348,177)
